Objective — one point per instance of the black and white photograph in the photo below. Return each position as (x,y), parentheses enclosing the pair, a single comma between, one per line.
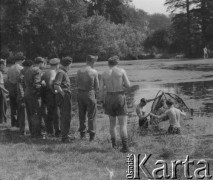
(106,89)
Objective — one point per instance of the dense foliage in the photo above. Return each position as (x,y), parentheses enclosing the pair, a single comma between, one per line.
(56,28)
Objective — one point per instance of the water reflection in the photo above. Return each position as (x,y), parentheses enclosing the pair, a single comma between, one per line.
(192,92)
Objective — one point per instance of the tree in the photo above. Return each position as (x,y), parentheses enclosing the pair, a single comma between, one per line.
(184,7)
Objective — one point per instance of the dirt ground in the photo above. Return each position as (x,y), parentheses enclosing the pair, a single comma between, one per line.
(23,158)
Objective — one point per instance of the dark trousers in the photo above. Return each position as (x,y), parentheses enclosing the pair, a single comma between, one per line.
(143,122)
(65,105)
(12,88)
(13,110)
(3,106)
(87,104)
(21,116)
(52,125)
(33,107)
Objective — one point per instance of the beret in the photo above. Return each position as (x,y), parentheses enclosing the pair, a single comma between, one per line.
(39,60)
(113,60)
(91,58)
(27,63)
(54,61)
(66,61)
(19,56)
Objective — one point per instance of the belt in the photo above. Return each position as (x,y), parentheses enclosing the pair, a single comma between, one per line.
(114,93)
(82,90)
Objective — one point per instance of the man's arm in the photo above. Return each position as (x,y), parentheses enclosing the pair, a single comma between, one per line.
(96,82)
(57,83)
(149,100)
(182,113)
(77,78)
(37,80)
(101,92)
(126,79)
(159,117)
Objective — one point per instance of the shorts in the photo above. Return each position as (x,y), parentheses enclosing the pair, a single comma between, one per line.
(115,104)
(143,122)
(174,130)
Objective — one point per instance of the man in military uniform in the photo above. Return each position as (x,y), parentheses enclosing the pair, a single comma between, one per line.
(32,96)
(52,124)
(114,80)
(12,76)
(87,85)
(20,96)
(3,93)
(63,97)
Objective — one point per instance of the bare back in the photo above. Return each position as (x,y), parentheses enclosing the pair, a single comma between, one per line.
(115,79)
(174,116)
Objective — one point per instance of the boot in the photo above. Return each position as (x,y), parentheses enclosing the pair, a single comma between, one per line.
(114,145)
(125,147)
(91,136)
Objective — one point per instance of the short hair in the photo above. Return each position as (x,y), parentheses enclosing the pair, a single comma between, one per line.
(27,63)
(143,100)
(169,102)
(112,61)
(19,57)
(91,58)
(66,61)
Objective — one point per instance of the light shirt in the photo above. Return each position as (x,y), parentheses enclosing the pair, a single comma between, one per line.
(13,73)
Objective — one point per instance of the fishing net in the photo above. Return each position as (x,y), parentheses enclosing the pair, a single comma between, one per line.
(158,106)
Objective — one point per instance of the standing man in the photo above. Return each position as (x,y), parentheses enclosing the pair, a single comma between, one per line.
(174,116)
(205,53)
(52,124)
(21,97)
(87,85)
(114,80)
(32,96)
(3,93)
(63,97)
(12,76)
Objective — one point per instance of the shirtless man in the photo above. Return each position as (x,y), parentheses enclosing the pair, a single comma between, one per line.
(87,85)
(114,80)
(174,115)
(142,113)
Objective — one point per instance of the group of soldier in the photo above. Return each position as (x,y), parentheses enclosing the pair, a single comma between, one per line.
(35,90)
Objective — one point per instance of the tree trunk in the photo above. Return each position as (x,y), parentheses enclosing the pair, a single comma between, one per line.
(189,48)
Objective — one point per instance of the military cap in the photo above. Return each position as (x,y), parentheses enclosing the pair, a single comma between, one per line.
(39,60)
(112,61)
(27,63)
(91,58)
(54,61)
(66,61)
(19,57)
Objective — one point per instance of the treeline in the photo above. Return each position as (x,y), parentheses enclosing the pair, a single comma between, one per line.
(51,28)
(190,31)
(57,28)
